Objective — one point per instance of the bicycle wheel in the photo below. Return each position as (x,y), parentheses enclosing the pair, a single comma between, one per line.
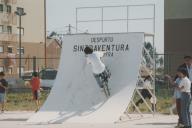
(106,89)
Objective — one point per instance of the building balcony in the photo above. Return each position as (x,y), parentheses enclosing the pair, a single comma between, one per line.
(8,18)
(9,1)
(8,37)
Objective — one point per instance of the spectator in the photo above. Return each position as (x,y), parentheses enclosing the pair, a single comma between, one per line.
(184,87)
(35,84)
(187,62)
(188,66)
(3,88)
(176,96)
(146,93)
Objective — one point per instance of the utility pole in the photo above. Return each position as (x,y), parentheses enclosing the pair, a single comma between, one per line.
(69,29)
(45,33)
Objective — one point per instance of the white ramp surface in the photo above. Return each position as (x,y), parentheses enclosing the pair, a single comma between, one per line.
(76,97)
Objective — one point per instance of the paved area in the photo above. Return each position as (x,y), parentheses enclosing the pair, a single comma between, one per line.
(18,120)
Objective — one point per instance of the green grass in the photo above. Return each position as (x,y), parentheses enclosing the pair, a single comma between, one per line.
(162,105)
(164,102)
(23,101)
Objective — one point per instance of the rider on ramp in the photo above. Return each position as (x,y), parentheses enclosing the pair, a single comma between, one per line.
(99,69)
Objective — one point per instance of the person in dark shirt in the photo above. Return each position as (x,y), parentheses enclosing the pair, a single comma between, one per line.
(3,87)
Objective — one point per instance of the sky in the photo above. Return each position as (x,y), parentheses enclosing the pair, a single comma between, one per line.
(61,13)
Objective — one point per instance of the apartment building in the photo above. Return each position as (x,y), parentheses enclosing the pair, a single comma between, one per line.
(53,53)
(32,34)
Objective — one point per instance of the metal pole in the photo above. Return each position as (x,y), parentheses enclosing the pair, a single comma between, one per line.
(19,46)
(20,12)
(127,18)
(102,20)
(34,64)
(76,20)
(154,56)
(45,34)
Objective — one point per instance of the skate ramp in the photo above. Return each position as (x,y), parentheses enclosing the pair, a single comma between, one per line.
(76,97)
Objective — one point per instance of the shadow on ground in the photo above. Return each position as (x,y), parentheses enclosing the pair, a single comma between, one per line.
(14,119)
(158,123)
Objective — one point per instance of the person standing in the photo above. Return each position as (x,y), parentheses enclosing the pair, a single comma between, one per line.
(188,66)
(35,84)
(185,88)
(189,71)
(3,88)
(176,96)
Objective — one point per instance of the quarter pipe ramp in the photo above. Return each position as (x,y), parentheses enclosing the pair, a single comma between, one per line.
(76,97)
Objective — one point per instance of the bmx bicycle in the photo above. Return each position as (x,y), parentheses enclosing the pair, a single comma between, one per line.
(104,77)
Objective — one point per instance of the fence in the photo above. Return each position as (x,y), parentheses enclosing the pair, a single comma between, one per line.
(165,64)
(11,68)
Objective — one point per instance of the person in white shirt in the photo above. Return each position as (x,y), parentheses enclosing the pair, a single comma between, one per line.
(188,66)
(98,67)
(185,88)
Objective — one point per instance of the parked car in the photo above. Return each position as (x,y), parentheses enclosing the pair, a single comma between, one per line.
(27,75)
(47,77)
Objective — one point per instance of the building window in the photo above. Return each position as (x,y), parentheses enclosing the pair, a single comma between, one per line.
(9,29)
(1,69)
(22,70)
(1,49)
(1,28)
(10,70)
(22,31)
(9,8)
(10,49)
(1,7)
(22,51)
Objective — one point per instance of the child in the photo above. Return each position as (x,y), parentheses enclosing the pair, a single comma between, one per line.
(35,84)
(185,88)
(3,87)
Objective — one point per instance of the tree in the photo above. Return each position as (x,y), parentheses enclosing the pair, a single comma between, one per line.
(154,55)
